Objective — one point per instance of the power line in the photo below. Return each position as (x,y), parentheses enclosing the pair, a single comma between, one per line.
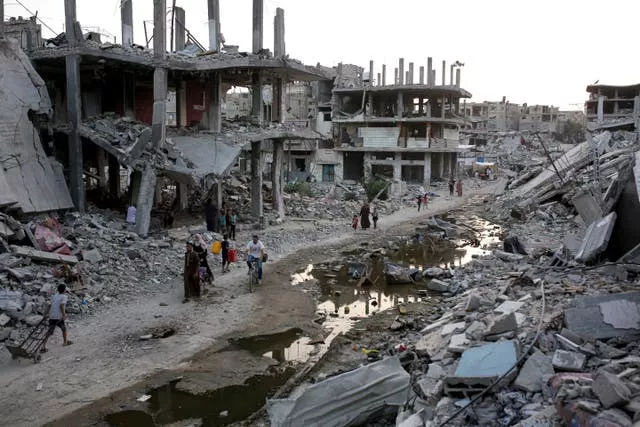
(34,14)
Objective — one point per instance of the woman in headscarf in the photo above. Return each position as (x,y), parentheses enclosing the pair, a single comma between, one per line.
(365,223)
(191,273)
(202,250)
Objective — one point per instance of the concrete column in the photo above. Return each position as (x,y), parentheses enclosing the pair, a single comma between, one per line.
(370,109)
(370,73)
(636,111)
(181,97)
(276,177)
(126,16)
(215,103)
(180,26)
(101,162)
(256,97)
(367,165)
(454,163)
(451,75)
(458,77)
(395,77)
(279,102)
(433,77)
(601,108)
(401,71)
(410,80)
(441,165)
(158,126)
(256,180)
(406,77)
(400,109)
(214,25)
(430,81)
(446,164)
(379,79)
(426,183)
(219,194)
(421,75)
(383,82)
(183,194)
(74,110)
(279,49)
(114,176)
(159,29)
(144,204)
(258,19)
(397,167)
(444,72)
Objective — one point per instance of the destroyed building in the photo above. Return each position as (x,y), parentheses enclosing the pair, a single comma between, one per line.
(613,107)
(407,131)
(538,118)
(117,120)
(27,32)
(497,116)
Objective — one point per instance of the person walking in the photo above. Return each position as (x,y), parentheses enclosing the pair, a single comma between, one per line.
(459,188)
(225,254)
(222,222)
(57,316)
(374,215)
(191,273)
(201,248)
(232,226)
(354,222)
(419,202)
(365,222)
(452,183)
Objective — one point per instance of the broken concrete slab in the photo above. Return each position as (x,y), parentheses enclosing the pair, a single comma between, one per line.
(588,207)
(429,344)
(437,285)
(481,366)
(473,302)
(596,238)
(611,390)
(586,317)
(620,314)
(568,361)
(503,323)
(43,256)
(534,373)
(452,328)
(458,343)
(4,319)
(508,307)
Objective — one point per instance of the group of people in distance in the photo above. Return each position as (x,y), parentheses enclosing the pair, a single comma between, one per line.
(363,219)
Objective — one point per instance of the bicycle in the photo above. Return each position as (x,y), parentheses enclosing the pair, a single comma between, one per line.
(253,274)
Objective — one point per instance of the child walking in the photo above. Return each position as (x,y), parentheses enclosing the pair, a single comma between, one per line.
(354,222)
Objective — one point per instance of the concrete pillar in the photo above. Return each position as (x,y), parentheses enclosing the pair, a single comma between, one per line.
(276,177)
(181,97)
(397,167)
(101,162)
(430,81)
(126,16)
(421,75)
(395,77)
(183,196)
(279,102)
(636,111)
(215,103)
(406,77)
(444,72)
(159,29)
(441,165)
(74,110)
(383,82)
(446,164)
(279,48)
(219,194)
(401,71)
(158,125)
(144,203)
(214,25)
(370,73)
(426,183)
(256,97)
(180,26)
(370,109)
(458,77)
(410,80)
(258,19)
(451,75)
(114,176)
(433,77)
(379,79)
(400,109)
(601,108)
(368,167)
(256,180)
(454,163)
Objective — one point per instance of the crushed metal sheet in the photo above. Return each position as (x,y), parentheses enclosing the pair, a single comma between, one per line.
(620,314)
(340,400)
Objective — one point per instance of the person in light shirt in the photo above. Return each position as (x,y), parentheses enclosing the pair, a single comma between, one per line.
(57,316)
(255,251)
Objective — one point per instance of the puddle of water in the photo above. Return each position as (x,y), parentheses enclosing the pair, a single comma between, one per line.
(287,346)
(168,404)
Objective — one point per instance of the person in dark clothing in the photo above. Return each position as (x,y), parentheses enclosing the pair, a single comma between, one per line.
(419,202)
(225,254)
(211,216)
(365,223)
(201,249)
(452,183)
(191,273)
(374,215)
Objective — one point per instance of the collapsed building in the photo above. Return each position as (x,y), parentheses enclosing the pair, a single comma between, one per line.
(613,107)
(109,109)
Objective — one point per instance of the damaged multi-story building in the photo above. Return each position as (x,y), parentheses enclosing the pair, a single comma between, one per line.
(499,116)
(407,131)
(109,109)
(613,107)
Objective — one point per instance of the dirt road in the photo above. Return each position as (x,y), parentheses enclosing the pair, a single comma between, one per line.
(107,354)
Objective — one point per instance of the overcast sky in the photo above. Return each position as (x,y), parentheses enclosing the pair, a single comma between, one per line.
(539,52)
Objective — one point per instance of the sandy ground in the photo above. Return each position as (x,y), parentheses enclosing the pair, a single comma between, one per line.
(107,354)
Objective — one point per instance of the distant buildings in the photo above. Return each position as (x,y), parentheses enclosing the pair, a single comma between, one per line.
(613,107)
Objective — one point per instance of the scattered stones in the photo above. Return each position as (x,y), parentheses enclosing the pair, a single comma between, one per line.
(473,302)
(568,361)
(33,320)
(453,328)
(93,256)
(535,371)
(4,319)
(458,343)
(502,324)
(610,389)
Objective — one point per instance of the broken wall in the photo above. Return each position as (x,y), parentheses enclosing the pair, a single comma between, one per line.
(28,172)
(626,233)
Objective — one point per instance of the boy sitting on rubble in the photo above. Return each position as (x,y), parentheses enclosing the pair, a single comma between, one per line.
(57,316)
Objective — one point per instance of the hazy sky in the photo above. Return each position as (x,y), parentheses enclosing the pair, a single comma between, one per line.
(539,52)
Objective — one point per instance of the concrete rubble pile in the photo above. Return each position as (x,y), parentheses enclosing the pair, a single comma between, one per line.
(96,255)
